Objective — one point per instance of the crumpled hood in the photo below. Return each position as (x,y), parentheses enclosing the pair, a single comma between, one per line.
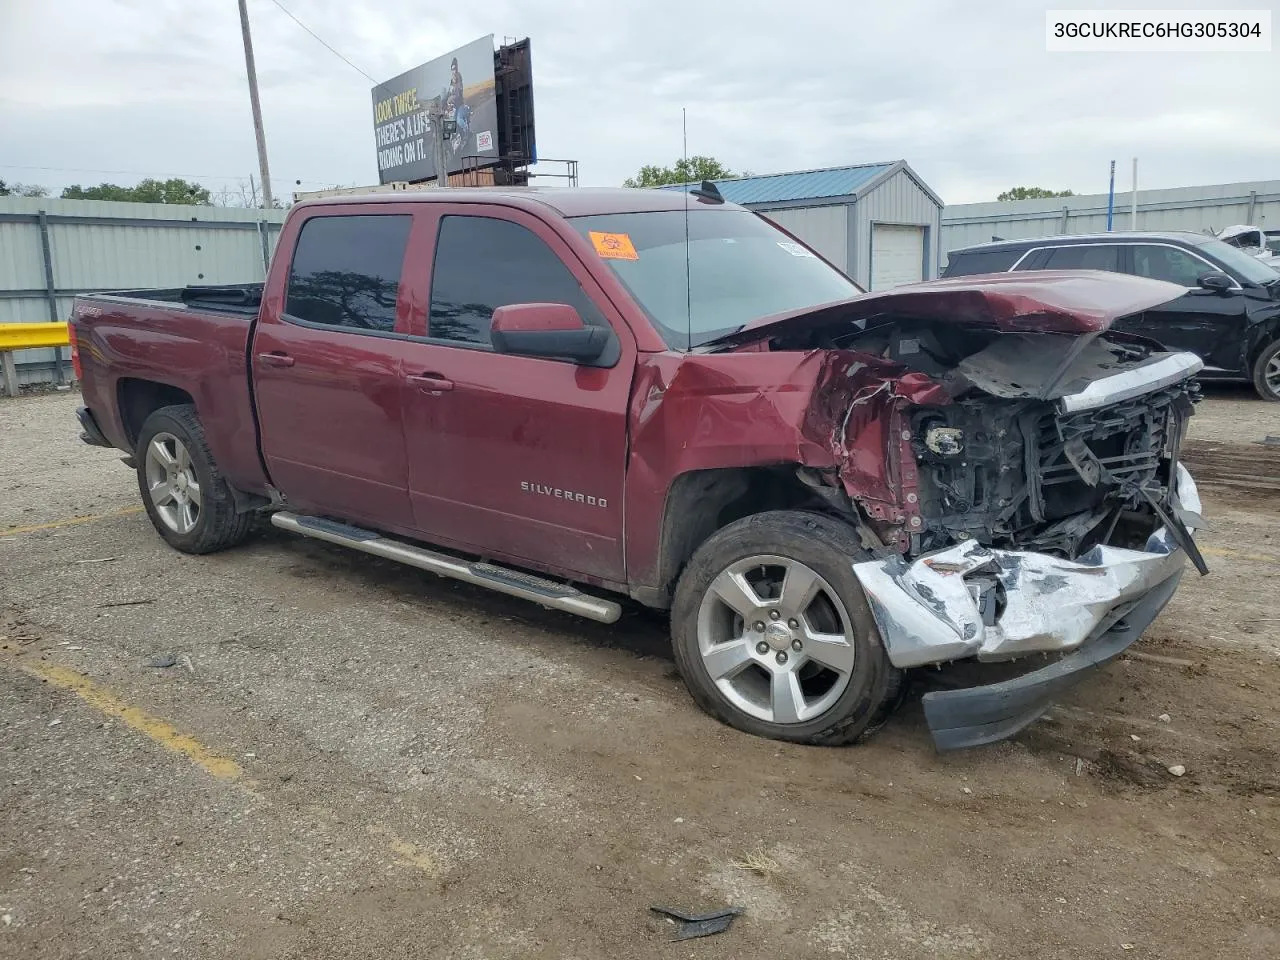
(1041,301)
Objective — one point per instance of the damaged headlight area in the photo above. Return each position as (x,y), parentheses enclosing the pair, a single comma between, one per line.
(1023,474)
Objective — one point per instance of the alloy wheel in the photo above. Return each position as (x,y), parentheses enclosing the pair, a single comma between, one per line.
(776,639)
(172,483)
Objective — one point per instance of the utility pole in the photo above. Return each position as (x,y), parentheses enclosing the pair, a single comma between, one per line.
(257,107)
(1133,200)
(439,142)
(1111,194)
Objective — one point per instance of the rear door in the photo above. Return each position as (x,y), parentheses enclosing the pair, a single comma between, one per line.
(327,368)
(516,457)
(1205,322)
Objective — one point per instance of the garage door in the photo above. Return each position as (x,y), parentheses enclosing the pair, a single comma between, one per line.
(897,255)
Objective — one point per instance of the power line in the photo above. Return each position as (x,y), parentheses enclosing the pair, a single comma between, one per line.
(320,40)
(150,173)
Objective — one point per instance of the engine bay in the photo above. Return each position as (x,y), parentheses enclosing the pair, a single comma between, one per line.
(1004,462)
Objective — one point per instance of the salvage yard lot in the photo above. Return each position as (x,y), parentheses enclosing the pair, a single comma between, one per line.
(351,759)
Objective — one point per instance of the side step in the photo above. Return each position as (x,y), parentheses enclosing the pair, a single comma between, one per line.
(501,579)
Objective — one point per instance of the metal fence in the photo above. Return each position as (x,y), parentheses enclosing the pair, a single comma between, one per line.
(1184,208)
(52,250)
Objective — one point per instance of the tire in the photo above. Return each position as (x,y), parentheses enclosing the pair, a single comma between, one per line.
(1266,372)
(209,522)
(755,691)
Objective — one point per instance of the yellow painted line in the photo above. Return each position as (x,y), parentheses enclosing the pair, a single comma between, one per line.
(407,852)
(155,729)
(1237,555)
(170,738)
(70,521)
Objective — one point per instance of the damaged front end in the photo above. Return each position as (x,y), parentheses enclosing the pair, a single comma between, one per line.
(1018,466)
(970,600)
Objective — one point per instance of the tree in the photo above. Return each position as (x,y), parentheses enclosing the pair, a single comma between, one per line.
(692,170)
(173,190)
(1033,193)
(22,190)
(245,195)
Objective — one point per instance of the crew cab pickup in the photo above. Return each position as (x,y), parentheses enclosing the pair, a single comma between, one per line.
(576,396)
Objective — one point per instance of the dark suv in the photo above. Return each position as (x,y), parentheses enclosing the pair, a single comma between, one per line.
(1229,316)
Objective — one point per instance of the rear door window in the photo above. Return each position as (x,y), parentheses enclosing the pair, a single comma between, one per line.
(1168,263)
(346,272)
(1035,260)
(963,264)
(483,263)
(1085,257)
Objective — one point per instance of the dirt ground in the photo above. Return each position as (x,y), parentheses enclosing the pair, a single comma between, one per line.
(352,759)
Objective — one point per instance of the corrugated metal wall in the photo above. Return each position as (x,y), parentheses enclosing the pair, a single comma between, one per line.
(1184,208)
(101,245)
(826,229)
(898,200)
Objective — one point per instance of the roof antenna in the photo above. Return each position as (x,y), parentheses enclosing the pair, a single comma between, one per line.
(709,192)
(688,268)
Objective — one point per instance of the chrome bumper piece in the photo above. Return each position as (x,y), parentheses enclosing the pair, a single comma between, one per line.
(931,610)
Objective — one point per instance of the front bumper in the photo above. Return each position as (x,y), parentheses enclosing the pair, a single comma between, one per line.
(979,715)
(940,608)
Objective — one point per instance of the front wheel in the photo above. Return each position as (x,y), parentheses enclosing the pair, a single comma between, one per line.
(773,635)
(186,497)
(1266,372)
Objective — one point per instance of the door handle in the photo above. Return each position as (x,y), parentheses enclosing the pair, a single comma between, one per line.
(431,383)
(276,359)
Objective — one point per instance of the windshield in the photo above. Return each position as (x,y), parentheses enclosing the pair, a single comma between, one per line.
(1245,264)
(742,268)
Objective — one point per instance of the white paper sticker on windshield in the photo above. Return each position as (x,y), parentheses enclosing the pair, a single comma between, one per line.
(795,249)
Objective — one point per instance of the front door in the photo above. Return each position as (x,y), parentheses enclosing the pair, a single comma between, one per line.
(521,458)
(1204,322)
(327,371)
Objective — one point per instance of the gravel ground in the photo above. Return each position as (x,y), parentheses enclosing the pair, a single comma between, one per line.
(353,759)
(1232,413)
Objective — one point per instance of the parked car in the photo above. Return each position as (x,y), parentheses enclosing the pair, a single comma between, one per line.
(1254,241)
(824,487)
(1228,315)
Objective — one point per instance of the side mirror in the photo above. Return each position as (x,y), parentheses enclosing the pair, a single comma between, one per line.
(1216,281)
(552,330)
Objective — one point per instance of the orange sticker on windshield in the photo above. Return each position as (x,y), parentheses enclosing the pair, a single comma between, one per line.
(614,246)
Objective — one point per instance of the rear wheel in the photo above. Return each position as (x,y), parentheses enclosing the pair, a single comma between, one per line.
(185,495)
(1266,372)
(773,635)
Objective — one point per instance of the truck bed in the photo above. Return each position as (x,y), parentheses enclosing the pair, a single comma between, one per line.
(242,298)
(187,345)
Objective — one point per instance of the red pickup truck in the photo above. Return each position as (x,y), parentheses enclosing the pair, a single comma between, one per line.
(569,395)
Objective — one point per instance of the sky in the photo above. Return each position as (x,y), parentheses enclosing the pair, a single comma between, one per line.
(115,90)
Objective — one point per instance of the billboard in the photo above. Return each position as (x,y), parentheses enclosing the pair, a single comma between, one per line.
(515,103)
(462,84)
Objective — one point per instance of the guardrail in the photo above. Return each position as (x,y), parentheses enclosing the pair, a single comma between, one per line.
(24,336)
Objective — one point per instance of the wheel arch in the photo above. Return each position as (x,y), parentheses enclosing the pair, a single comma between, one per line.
(1262,336)
(138,398)
(700,502)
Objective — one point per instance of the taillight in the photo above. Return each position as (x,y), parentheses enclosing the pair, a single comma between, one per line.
(75,350)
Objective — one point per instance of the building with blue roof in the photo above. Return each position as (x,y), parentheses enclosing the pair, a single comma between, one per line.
(879,222)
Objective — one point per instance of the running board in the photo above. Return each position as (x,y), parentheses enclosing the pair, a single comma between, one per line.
(501,579)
